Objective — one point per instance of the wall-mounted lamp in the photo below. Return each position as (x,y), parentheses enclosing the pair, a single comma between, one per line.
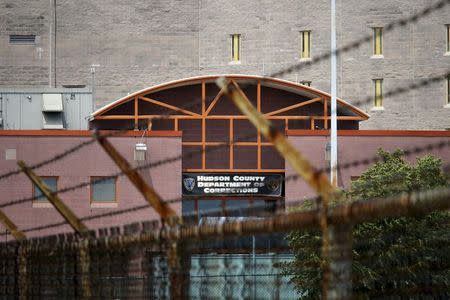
(139,151)
(29,98)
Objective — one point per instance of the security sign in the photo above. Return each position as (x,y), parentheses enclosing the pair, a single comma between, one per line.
(226,184)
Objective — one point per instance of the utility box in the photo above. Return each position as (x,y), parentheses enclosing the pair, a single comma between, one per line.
(45,108)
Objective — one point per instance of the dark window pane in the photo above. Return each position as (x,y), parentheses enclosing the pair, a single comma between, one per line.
(236,208)
(50,182)
(209,208)
(103,190)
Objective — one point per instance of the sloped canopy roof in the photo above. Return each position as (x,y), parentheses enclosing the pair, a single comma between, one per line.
(305,92)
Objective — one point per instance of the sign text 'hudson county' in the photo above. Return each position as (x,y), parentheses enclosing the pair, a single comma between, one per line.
(232,184)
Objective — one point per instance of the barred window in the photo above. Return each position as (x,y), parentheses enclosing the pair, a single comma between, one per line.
(378,41)
(235,47)
(378,95)
(306,44)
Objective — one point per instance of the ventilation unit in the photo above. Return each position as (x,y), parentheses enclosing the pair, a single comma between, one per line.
(52,111)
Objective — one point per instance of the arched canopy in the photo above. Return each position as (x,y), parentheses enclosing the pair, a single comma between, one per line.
(203,88)
(198,108)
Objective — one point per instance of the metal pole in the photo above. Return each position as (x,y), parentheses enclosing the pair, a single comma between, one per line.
(50,45)
(93,66)
(333,158)
(254,267)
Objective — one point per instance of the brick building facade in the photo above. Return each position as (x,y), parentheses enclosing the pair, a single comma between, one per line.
(144,43)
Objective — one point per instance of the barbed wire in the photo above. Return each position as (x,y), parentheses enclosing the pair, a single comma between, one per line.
(274,205)
(150,165)
(356,44)
(83,144)
(366,39)
(77,147)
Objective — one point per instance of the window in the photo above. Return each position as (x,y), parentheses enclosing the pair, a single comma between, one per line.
(448,37)
(306,44)
(378,41)
(235,47)
(22,39)
(448,90)
(51,182)
(306,82)
(378,87)
(103,189)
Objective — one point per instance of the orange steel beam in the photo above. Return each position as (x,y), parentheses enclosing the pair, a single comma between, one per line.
(221,117)
(172,107)
(203,97)
(231,145)
(152,197)
(318,181)
(315,179)
(325,113)
(225,143)
(258,138)
(203,143)
(136,113)
(236,170)
(292,107)
(213,103)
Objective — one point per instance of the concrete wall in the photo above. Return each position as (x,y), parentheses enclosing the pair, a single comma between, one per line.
(358,146)
(77,168)
(148,42)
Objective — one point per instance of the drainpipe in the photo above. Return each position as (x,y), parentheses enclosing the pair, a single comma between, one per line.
(52,45)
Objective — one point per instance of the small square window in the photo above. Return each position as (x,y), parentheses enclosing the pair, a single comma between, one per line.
(10,154)
(306,44)
(235,47)
(103,189)
(51,182)
(377,41)
(22,39)
(378,92)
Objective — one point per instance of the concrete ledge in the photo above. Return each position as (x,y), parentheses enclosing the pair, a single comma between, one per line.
(104,205)
(42,204)
(88,133)
(419,133)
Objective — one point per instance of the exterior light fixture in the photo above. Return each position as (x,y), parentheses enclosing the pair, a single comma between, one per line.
(139,151)
(328,152)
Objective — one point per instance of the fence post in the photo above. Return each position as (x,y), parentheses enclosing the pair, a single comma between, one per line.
(84,267)
(175,259)
(340,261)
(317,180)
(23,276)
